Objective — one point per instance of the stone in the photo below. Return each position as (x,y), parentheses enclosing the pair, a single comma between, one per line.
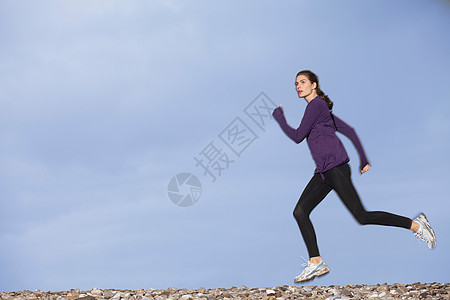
(108,294)
(72,296)
(270,292)
(346,292)
(141,292)
(382,288)
(96,291)
(425,294)
(402,290)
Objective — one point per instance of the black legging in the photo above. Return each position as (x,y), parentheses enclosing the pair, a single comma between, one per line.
(338,179)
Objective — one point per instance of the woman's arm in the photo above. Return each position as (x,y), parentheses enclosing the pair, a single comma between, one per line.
(350,133)
(299,134)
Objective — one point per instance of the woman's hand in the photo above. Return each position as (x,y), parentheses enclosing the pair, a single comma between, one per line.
(365,169)
(278,112)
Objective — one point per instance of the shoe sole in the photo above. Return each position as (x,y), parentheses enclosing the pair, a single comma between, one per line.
(324,271)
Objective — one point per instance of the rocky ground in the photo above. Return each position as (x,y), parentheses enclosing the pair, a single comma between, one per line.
(381,291)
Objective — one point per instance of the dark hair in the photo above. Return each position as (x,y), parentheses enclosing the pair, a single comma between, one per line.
(313,78)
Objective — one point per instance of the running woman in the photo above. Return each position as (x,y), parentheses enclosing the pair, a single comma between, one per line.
(332,172)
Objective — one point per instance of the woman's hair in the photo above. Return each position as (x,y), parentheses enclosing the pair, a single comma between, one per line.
(313,78)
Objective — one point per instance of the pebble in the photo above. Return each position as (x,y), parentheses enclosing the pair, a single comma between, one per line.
(270,292)
(385,291)
(96,291)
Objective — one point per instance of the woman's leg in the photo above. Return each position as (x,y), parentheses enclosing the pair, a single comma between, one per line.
(339,178)
(312,195)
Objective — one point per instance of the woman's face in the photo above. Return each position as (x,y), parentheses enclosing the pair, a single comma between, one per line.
(305,89)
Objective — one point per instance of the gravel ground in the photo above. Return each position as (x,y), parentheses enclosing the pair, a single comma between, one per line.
(380,291)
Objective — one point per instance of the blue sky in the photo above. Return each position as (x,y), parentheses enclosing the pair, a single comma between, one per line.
(103,102)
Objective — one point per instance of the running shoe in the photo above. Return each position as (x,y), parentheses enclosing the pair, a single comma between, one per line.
(425,232)
(312,270)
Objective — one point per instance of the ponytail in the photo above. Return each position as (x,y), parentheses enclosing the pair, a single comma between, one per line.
(322,95)
(313,78)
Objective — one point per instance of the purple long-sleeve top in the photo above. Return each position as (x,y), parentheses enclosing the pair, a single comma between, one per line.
(318,128)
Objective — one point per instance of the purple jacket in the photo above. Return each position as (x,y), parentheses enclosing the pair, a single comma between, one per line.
(318,128)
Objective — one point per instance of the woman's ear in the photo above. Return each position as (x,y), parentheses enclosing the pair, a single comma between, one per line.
(314,85)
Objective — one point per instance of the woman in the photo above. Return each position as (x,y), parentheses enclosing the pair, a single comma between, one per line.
(332,172)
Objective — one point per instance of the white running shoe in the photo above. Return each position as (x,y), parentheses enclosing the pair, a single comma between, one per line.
(312,270)
(425,232)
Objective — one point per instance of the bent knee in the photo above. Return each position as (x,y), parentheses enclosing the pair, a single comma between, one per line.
(299,213)
(363,219)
